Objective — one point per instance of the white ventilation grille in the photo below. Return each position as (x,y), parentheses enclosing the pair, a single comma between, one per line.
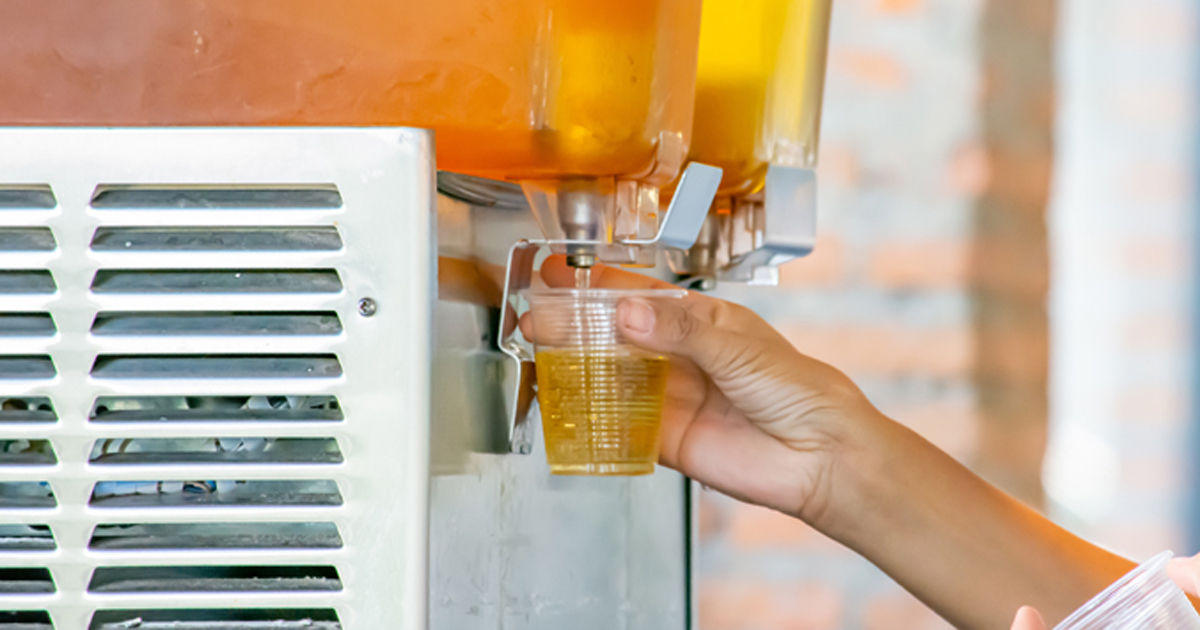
(214,378)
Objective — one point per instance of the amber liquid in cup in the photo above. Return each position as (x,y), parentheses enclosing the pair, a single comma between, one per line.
(601,397)
(601,409)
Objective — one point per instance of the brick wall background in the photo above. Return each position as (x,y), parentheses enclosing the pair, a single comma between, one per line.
(930,283)
(1122,220)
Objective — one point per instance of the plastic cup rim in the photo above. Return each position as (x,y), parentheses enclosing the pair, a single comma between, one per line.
(604,293)
(1100,603)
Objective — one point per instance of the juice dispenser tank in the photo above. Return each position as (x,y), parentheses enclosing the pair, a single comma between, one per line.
(759,86)
(588,104)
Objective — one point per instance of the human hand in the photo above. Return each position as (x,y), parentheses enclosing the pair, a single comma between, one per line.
(749,415)
(1186,573)
(745,413)
(1183,571)
(1028,619)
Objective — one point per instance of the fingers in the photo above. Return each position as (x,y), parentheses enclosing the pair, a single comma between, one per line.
(557,273)
(467,281)
(723,449)
(687,391)
(1028,619)
(1186,573)
(702,330)
(526,324)
(510,322)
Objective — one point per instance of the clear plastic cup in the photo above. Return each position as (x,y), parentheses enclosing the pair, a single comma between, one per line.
(1145,598)
(601,398)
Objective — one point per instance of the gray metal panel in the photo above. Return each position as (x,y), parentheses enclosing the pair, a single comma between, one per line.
(513,548)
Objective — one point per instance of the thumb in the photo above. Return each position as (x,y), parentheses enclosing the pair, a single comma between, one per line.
(1186,573)
(1028,619)
(685,328)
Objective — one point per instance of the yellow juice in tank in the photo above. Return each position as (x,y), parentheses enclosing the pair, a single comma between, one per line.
(759,81)
(601,409)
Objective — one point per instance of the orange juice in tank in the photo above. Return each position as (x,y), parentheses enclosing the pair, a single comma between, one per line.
(519,90)
(759,84)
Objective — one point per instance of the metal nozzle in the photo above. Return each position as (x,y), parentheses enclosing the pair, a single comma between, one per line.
(581,261)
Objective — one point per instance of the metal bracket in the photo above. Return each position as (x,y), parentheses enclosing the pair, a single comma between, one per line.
(789,226)
(681,223)
(519,391)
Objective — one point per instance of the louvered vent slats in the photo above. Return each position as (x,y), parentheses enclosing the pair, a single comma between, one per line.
(192,410)
(175,281)
(213,536)
(217,619)
(27,325)
(149,579)
(26,366)
(25,620)
(184,366)
(21,537)
(276,471)
(26,239)
(26,451)
(228,450)
(257,409)
(26,197)
(27,495)
(191,196)
(211,323)
(216,493)
(200,239)
(27,409)
(25,580)
(26,282)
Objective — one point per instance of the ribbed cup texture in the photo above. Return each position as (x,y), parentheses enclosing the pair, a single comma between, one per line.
(1143,599)
(601,397)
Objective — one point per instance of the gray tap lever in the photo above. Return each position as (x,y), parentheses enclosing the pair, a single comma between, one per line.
(788,230)
(689,206)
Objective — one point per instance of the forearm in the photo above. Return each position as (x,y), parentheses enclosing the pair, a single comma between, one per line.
(969,551)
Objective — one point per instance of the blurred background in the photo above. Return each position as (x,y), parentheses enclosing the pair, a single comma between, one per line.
(1006,266)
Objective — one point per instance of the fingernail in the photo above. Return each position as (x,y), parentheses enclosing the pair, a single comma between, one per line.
(636,316)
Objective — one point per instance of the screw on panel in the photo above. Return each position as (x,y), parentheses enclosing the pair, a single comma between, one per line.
(367,307)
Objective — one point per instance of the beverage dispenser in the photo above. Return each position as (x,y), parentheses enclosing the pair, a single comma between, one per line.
(257,266)
(758,109)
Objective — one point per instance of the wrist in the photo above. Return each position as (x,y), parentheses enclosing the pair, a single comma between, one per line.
(860,477)
(948,536)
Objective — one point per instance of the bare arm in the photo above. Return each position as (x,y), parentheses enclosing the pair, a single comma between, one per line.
(749,415)
(969,551)
(1184,571)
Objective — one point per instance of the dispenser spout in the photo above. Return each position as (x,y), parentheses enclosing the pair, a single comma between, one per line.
(582,261)
(603,220)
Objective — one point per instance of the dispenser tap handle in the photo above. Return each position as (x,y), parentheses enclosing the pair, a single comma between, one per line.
(786,230)
(681,224)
